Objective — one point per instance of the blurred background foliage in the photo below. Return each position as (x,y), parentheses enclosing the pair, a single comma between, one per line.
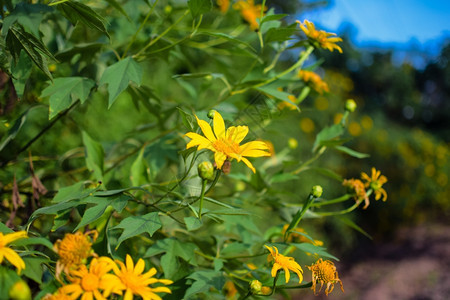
(401,120)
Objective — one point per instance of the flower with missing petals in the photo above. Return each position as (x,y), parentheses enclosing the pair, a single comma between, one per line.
(284,262)
(357,187)
(320,38)
(325,273)
(225,143)
(375,182)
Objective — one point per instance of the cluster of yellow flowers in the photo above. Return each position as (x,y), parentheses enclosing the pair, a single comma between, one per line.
(374,183)
(103,277)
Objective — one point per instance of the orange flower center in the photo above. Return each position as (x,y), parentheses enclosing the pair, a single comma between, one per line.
(90,282)
(74,248)
(131,280)
(226,146)
(324,272)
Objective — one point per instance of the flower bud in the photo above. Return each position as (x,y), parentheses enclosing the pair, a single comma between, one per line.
(292,143)
(350,105)
(226,167)
(20,291)
(206,170)
(211,113)
(316,191)
(255,286)
(168,9)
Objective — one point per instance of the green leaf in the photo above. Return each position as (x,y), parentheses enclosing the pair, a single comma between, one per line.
(272,18)
(33,241)
(139,170)
(21,72)
(283,177)
(94,212)
(119,75)
(94,156)
(71,192)
(117,6)
(18,40)
(199,7)
(193,223)
(136,225)
(204,281)
(65,91)
(76,11)
(327,134)
(7,278)
(34,269)
(353,225)
(233,249)
(5,229)
(269,90)
(53,209)
(14,130)
(228,38)
(280,34)
(351,152)
(27,15)
(328,173)
(188,121)
(310,248)
(174,248)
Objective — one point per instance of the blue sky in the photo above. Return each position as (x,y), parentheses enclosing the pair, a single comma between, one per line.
(387,21)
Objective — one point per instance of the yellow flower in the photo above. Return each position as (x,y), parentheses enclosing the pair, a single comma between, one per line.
(225,143)
(314,81)
(288,105)
(135,283)
(223,5)
(230,290)
(319,37)
(249,11)
(324,272)
(8,253)
(73,250)
(284,262)
(88,283)
(58,295)
(375,182)
(357,186)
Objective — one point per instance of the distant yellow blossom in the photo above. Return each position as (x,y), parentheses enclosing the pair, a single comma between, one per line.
(73,250)
(91,283)
(249,11)
(357,186)
(223,5)
(134,282)
(225,142)
(296,237)
(325,273)
(320,38)
(313,80)
(230,289)
(8,253)
(375,182)
(284,262)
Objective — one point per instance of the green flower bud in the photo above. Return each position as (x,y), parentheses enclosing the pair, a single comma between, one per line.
(20,291)
(255,286)
(292,143)
(316,191)
(206,170)
(211,113)
(350,105)
(168,9)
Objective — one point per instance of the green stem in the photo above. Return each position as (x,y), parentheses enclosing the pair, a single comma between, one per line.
(298,216)
(303,167)
(202,194)
(332,201)
(301,286)
(298,64)
(216,179)
(162,34)
(340,212)
(261,41)
(133,38)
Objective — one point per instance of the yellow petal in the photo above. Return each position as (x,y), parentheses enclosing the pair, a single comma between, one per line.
(237,133)
(206,129)
(275,269)
(13,258)
(139,268)
(249,164)
(10,237)
(130,263)
(219,158)
(219,125)
(287,275)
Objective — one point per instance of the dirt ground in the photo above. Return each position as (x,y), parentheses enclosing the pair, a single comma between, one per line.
(414,266)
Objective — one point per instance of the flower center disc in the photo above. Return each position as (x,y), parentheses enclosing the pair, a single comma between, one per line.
(89,282)
(226,146)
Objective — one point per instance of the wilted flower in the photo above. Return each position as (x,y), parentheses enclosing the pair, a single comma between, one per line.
(320,38)
(375,182)
(225,142)
(357,186)
(249,11)
(73,250)
(325,273)
(8,253)
(283,262)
